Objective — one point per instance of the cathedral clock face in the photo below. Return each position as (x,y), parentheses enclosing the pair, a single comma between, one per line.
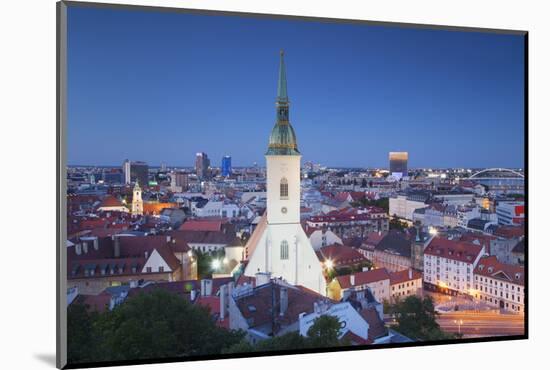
(283,209)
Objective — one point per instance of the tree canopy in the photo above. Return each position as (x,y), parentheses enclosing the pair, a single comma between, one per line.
(322,334)
(153,325)
(416,318)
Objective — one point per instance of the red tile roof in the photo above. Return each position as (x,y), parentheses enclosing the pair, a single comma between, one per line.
(373,238)
(364,277)
(510,232)
(201,225)
(110,201)
(355,339)
(402,276)
(211,302)
(168,257)
(99,303)
(453,249)
(354,195)
(376,325)
(256,307)
(156,208)
(340,255)
(493,268)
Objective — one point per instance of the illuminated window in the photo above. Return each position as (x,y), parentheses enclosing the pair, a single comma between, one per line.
(284,250)
(284,188)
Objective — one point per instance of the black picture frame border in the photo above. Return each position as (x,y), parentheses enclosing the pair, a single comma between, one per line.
(61,128)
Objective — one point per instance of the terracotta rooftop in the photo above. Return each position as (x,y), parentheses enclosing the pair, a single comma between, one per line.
(453,249)
(363,277)
(493,268)
(99,302)
(340,255)
(376,325)
(195,225)
(110,201)
(402,276)
(258,306)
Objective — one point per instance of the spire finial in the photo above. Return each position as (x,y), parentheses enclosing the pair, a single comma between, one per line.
(282,95)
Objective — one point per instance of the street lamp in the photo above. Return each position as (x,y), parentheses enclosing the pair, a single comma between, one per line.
(459,323)
(329,264)
(216,264)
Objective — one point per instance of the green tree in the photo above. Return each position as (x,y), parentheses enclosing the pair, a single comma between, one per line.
(154,325)
(80,344)
(324,332)
(416,318)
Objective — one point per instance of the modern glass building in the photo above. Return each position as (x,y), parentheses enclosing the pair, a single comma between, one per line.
(135,171)
(398,163)
(226,166)
(202,166)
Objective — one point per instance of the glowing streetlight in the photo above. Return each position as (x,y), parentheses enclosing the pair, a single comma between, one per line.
(329,264)
(216,264)
(459,323)
(432,231)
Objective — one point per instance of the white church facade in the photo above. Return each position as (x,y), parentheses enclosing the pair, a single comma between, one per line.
(283,249)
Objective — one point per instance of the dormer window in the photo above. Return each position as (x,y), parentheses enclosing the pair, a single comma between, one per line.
(284,188)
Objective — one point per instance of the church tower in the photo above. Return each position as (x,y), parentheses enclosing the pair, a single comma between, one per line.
(137,202)
(284,249)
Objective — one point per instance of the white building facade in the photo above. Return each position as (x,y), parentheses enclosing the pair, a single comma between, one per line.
(449,265)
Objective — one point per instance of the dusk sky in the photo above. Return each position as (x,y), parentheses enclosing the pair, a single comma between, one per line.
(160,86)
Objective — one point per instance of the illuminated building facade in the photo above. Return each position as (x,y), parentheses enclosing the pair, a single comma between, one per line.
(281,247)
(398,164)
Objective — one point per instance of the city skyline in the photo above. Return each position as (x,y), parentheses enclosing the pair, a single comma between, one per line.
(166,105)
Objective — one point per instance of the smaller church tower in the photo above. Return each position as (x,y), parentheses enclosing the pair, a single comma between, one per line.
(137,202)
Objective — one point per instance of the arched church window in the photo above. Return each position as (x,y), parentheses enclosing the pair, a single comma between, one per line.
(284,250)
(284,188)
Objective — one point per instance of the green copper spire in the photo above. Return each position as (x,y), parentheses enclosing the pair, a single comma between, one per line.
(282,95)
(283,139)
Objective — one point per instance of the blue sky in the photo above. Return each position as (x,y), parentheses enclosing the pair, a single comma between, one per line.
(159,87)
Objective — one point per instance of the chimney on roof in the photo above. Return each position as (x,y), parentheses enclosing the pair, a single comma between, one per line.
(206,287)
(352,279)
(410,273)
(116,242)
(283,300)
(223,301)
(262,278)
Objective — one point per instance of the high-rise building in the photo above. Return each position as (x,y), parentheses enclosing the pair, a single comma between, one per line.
(126,171)
(112,176)
(398,164)
(135,171)
(279,247)
(226,166)
(202,166)
(182,180)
